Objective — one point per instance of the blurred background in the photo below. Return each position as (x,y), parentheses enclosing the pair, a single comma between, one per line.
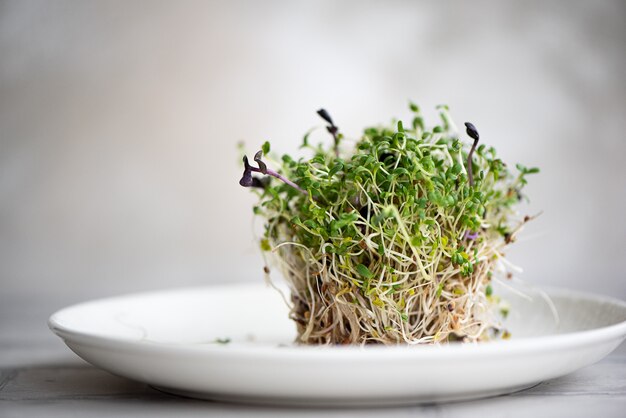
(119,122)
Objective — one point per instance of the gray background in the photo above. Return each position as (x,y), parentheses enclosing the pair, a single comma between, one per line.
(118,125)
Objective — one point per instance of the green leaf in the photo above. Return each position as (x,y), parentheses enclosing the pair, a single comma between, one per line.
(305,139)
(336,168)
(266,147)
(318,159)
(364,271)
(265,245)
(400,171)
(439,289)
(418,122)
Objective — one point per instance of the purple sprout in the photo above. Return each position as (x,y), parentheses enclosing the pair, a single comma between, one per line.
(247,180)
(472,132)
(471,235)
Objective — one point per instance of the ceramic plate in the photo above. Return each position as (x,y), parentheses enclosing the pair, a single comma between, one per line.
(235,343)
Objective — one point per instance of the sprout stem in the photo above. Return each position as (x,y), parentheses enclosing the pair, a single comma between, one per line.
(472,132)
(285,180)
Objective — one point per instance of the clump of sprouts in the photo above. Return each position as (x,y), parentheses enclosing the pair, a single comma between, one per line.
(393,241)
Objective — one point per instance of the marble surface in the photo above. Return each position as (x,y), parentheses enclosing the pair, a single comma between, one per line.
(41,377)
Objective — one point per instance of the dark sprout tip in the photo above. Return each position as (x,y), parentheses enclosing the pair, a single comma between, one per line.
(472,132)
(331,128)
(262,166)
(326,116)
(248,181)
(246,178)
(260,183)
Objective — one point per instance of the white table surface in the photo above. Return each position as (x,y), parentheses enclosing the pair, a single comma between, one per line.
(41,377)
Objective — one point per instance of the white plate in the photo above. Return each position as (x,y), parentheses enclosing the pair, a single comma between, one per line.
(167,339)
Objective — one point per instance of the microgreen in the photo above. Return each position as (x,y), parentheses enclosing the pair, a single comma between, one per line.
(393,241)
(332,129)
(247,180)
(472,132)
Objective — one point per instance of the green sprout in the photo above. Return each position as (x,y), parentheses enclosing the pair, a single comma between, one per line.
(395,241)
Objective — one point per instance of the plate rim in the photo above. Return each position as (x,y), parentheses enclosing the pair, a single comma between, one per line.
(399,352)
